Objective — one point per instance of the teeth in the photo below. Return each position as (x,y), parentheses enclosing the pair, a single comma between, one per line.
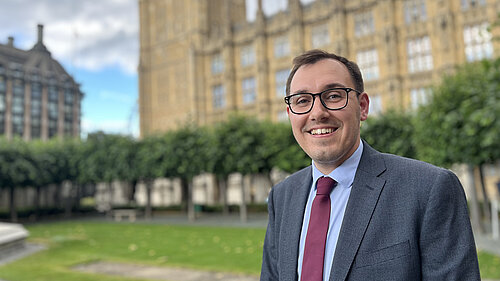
(321,131)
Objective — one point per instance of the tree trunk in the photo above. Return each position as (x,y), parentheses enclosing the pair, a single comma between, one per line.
(243,204)
(474,205)
(131,196)
(223,192)
(68,204)
(191,212)
(12,204)
(149,212)
(78,197)
(486,200)
(37,202)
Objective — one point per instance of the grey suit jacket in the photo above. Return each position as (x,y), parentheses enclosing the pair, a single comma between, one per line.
(404,220)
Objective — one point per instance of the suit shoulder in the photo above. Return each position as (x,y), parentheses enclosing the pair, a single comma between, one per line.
(403,164)
(292,179)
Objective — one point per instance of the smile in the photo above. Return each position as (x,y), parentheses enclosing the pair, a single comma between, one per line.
(322,131)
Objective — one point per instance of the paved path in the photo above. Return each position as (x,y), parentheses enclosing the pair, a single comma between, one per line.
(161,273)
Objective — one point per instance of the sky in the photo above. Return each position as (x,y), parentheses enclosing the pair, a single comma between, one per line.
(97,42)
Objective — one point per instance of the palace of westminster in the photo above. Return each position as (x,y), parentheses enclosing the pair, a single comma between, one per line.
(200,60)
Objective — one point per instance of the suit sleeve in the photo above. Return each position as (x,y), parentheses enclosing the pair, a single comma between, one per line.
(447,245)
(269,269)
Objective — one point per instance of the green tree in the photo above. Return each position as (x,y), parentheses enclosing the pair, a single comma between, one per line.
(17,169)
(240,148)
(282,149)
(461,124)
(391,132)
(150,162)
(188,154)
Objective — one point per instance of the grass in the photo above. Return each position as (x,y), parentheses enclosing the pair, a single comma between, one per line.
(489,265)
(207,248)
(73,243)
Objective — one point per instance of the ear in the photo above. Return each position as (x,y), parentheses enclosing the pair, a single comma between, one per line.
(288,111)
(364,105)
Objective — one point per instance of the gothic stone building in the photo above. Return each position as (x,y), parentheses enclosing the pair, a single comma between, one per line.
(38,98)
(201,59)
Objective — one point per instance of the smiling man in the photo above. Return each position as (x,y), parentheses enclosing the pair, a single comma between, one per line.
(355,213)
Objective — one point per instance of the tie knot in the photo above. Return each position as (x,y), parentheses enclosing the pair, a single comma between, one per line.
(325,185)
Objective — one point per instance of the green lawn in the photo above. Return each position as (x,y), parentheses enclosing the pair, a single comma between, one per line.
(72,243)
(210,248)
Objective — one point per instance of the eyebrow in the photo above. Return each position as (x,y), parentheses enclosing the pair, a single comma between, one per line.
(326,87)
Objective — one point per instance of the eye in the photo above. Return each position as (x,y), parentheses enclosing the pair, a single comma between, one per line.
(333,95)
(301,99)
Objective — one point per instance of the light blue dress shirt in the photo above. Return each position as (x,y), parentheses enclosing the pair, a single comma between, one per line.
(344,175)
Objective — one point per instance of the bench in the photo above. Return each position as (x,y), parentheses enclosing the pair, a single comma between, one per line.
(120,214)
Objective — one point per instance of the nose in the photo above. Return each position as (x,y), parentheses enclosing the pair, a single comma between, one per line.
(318,111)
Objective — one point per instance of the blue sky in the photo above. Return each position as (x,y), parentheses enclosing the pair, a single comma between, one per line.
(97,42)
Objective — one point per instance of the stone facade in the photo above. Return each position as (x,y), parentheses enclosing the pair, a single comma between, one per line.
(201,59)
(38,98)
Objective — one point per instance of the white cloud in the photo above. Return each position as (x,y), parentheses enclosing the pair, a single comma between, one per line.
(90,34)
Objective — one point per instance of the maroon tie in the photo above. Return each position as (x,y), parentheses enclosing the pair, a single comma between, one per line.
(314,250)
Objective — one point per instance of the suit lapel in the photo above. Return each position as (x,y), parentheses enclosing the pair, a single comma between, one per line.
(292,224)
(364,196)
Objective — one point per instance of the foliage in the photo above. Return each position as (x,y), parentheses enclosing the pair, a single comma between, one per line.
(16,166)
(461,124)
(188,152)
(238,147)
(281,148)
(390,132)
(105,157)
(149,158)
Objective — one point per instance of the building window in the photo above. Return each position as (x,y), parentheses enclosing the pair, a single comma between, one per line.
(68,111)
(247,55)
(375,106)
(281,77)
(218,95)
(2,105)
(419,96)
(364,24)
(17,70)
(217,64)
(419,54)
(281,47)
(248,87)
(469,4)
(36,109)
(18,107)
(3,86)
(478,43)
(53,110)
(415,11)
(368,63)
(320,36)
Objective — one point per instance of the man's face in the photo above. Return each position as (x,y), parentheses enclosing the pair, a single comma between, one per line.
(328,150)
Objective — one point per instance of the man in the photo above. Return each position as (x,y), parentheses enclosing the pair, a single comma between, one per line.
(387,217)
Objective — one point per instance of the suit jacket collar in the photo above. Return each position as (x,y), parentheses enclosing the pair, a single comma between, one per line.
(297,198)
(365,192)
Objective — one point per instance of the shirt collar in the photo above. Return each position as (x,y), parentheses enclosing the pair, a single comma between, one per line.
(343,174)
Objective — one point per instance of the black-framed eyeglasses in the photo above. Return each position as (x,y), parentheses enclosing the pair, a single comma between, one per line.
(332,99)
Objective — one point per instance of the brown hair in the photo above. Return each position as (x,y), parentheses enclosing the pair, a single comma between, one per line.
(313,56)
